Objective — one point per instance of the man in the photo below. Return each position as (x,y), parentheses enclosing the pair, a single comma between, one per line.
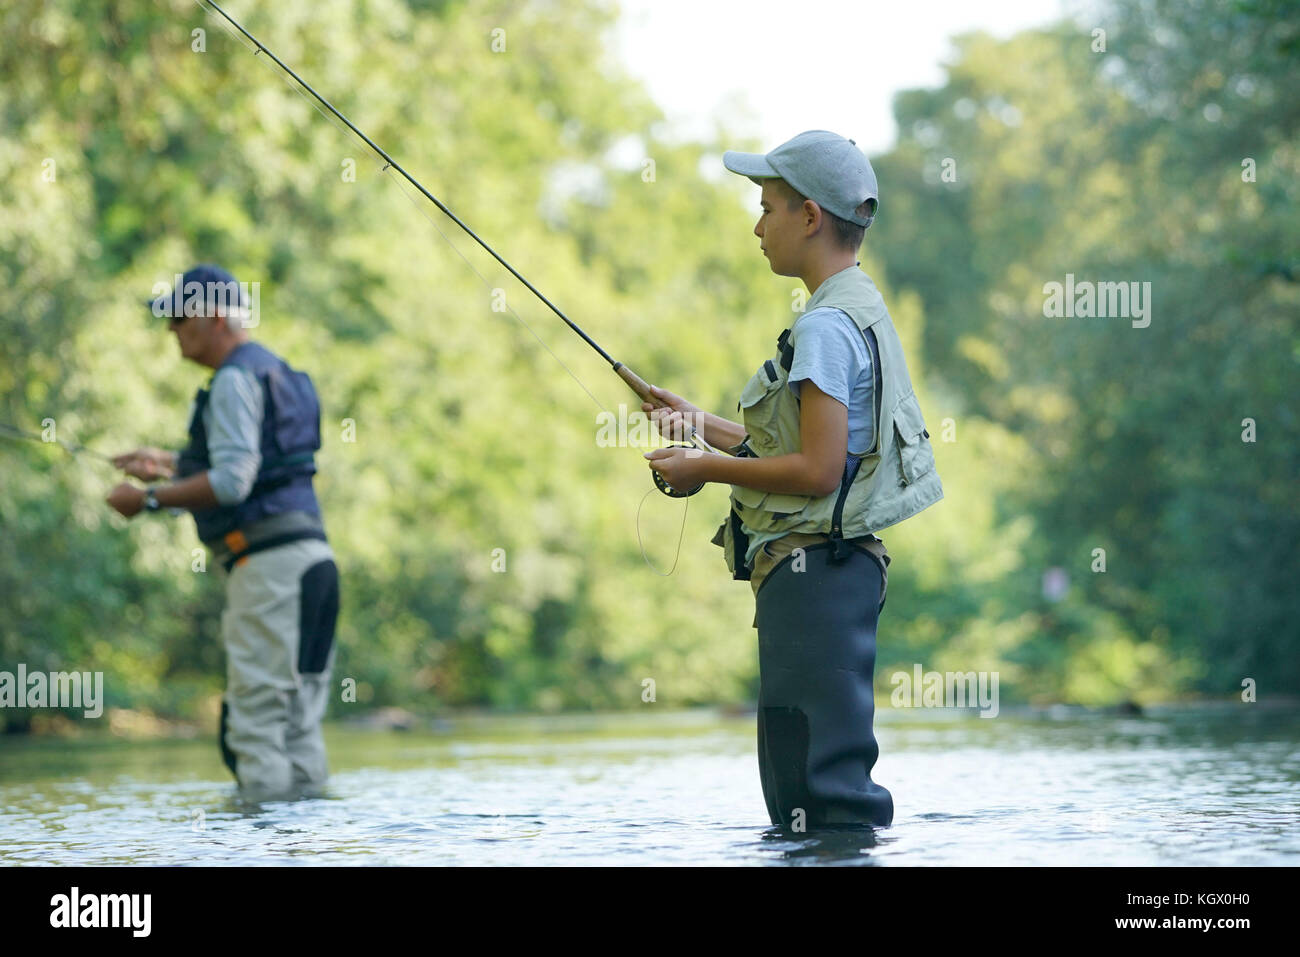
(246,476)
(832,448)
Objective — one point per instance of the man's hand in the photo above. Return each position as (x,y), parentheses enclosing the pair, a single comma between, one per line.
(673,421)
(127,499)
(146,463)
(683,469)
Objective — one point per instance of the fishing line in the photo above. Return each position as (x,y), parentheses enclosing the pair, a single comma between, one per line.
(13,432)
(250,43)
(681,532)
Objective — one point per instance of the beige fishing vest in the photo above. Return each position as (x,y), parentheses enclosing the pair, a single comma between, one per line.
(894,480)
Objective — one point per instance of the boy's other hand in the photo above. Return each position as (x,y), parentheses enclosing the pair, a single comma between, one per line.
(682,468)
(673,421)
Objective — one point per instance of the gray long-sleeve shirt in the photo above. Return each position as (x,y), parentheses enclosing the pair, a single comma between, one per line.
(233,420)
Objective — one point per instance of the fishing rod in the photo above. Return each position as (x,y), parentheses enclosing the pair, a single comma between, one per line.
(8,431)
(634,381)
(13,432)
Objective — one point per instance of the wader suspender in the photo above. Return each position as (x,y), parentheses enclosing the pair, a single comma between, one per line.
(739,540)
(840,550)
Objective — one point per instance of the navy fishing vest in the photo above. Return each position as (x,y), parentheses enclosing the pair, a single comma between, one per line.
(290,438)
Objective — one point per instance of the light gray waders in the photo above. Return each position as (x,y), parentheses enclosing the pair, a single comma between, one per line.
(278,631)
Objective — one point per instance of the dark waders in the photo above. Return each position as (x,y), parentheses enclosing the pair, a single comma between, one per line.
(817,653)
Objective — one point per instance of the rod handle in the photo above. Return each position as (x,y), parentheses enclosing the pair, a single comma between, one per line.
(638,385)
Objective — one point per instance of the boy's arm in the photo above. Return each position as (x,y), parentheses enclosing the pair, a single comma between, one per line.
(718,432)
(816,469)
(721,433)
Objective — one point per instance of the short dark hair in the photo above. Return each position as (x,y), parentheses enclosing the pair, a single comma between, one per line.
(848,235)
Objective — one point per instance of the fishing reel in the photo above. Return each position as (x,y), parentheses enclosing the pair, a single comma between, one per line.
(694,439)
(667,489)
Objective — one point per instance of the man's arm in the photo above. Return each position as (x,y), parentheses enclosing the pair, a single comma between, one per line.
(234,420)
(234,445)
(194,492)
(234,434)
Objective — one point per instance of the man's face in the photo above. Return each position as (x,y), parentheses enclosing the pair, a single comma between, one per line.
(779,230)
(193,333)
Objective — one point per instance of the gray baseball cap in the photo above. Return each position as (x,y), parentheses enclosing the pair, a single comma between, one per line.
(821,165)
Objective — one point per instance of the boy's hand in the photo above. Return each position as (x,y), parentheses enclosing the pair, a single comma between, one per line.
(146,463)
(681,468)
(673,421)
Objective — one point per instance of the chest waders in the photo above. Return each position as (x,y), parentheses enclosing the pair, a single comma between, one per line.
(817,609)
(817,654)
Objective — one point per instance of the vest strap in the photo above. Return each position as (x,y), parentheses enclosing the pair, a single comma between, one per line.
(262,485)
(739,546)
(787,351)
(840,549)
(284,460)
(879,384)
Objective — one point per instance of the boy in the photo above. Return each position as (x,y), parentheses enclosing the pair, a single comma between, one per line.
(832,448)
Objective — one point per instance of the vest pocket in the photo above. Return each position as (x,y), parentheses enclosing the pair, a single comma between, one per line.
(916,456)
(779,505)
(761,403)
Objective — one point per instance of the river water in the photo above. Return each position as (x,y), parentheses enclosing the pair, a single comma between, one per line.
(1183,786)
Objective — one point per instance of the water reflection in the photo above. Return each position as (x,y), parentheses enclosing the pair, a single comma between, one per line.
(829,844)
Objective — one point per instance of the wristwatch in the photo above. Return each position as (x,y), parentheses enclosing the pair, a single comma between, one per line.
(151,501)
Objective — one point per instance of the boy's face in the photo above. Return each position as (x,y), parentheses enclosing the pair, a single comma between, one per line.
(779,229)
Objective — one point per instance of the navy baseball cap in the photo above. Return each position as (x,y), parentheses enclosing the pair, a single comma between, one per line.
(197,292)
(823,166)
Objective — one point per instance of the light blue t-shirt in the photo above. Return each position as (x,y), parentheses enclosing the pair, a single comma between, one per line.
(830,349)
